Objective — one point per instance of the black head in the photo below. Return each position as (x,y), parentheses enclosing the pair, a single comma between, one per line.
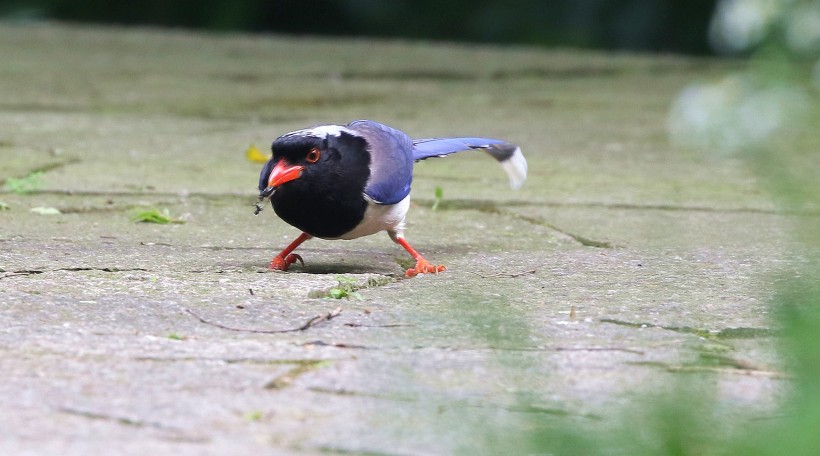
(319,153)
(291,155)
(314,173)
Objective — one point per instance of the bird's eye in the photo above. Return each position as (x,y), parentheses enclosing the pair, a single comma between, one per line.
(313,155)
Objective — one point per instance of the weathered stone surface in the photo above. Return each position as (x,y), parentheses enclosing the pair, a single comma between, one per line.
(610,273)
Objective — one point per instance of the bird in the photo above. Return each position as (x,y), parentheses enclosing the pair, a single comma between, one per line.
(348,181)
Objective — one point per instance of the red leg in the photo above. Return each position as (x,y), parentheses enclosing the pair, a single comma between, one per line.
(422,266)
(285,258)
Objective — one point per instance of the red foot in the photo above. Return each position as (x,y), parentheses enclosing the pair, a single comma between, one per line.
(282,264)
(424,267)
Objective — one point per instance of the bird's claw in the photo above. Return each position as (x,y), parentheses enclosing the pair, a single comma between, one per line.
(281,263)
(424,267)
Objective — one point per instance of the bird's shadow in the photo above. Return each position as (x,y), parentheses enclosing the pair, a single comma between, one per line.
(344,268)
(357,262)
(385,268)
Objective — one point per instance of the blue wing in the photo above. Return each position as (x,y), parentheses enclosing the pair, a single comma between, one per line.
(391,161)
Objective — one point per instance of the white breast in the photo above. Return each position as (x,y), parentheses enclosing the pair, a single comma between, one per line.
(380,217)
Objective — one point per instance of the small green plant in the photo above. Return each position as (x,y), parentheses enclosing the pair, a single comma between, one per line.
(439,195)
(26,184)
(155,216)
(346,288)
(4,206)
(175,336)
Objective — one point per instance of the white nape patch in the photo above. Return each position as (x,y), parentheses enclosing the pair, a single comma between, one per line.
(380,217)
(516,168)
(322,131)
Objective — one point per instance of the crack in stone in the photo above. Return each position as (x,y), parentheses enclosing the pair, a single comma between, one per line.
(700,368)
(101,269)
(456,404)
(726,333)
(288,378)
(139,194)
(495,75)
(96,209)
(449,204)
(250,361)
(492,207)
(44,169)
(492,348)
(23,272)
(28,272)
(585,241)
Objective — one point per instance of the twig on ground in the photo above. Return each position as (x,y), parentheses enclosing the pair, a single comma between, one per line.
(172,433)
(319,343)
(389,325)
(600,349)
(308,324)
(509,275)
(115,418)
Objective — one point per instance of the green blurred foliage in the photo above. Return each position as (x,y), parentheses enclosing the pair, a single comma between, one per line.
(651,25)
(766,115)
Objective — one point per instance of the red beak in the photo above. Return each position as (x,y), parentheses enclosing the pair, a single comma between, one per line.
(283,172)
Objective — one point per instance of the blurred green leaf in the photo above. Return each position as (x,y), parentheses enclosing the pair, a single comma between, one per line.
(26,184)
(155,216)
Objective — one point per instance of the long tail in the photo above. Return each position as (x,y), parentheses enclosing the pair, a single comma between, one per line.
(508,155)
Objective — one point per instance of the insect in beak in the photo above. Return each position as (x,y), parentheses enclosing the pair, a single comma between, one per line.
(264,195)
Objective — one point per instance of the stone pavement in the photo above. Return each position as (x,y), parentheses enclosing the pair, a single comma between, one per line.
(623,264)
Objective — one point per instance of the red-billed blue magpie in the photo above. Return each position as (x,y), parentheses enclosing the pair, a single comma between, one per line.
(345,182)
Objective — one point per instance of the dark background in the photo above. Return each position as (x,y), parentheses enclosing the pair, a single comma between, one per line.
(677,26)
